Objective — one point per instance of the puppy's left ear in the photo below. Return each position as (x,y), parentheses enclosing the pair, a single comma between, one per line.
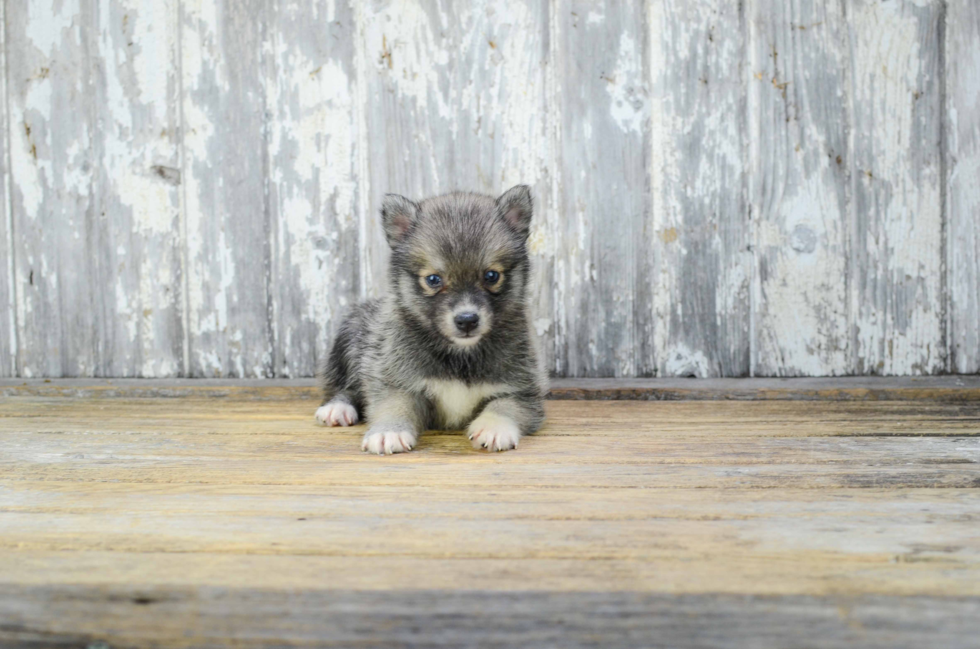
(398,216)
(516,207)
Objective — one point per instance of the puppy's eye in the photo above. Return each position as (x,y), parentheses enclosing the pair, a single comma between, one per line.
(491,277)
(433,281)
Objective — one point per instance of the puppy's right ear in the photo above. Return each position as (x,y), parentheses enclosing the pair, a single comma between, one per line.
(398,215)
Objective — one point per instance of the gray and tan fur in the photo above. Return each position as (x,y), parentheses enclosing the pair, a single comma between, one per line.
(449,346)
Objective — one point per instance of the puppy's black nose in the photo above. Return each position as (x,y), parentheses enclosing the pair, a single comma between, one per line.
(467,322)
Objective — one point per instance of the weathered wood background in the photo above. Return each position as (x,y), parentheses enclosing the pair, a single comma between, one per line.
(769,187)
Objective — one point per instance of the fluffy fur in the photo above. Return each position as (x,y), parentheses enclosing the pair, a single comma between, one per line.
(409,361)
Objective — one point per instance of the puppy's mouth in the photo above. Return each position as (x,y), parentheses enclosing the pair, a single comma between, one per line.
(466,340)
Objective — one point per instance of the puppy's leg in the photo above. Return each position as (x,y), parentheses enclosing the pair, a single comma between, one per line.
(339,411)
(503,421)
(396,419)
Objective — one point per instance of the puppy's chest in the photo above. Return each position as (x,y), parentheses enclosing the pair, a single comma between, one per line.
(455,401)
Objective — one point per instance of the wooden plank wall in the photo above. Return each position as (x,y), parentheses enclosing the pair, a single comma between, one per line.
(190,187)
(962,167)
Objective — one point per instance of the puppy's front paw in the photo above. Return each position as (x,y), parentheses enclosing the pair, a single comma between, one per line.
(388,441)
(336,413)
(494,432)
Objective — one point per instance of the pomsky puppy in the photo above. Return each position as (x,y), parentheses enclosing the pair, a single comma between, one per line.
(449,346)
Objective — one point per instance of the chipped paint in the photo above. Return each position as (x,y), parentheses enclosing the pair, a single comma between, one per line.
(8,287)
(313,180)
(962,65)
(701,281)
(897,247)
(709,200)
(629,105)
(797,131)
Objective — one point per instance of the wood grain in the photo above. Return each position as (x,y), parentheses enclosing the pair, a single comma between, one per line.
(200,522)
(138,123)
(722,189)
(55,218)
(313,182)
(605,255)
(962,156)
(896,252)
(95,199)
(8,302)
(701,238)
(328,618)
(454,99)
(225,63)
(439,85)
(799,187)
(942,389)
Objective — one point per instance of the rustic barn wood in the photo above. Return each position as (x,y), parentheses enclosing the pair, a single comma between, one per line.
(896,250)
(453,97)
(196,521)
(962,160)
(943,389)
(312,176)
(701,285)
(224,66)
(8,304)
(604,255)
(94,175)
(799,187)
(227,617)
(722,189)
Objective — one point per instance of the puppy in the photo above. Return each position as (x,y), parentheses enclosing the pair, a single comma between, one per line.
(449,346)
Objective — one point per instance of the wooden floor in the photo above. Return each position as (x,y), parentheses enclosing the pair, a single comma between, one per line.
(234,521)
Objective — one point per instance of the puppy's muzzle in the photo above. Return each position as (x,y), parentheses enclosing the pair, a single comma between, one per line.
(467,322)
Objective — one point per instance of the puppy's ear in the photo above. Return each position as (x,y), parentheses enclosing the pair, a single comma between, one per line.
(398,216)
(515,207)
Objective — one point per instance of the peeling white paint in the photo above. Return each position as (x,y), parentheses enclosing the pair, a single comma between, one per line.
(426,98)
(683,361)
(47,23)
(701,274)
(10,299)
(629,103)
(800,304)
(896,176)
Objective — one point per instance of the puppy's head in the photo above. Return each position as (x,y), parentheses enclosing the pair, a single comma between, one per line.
(459,262)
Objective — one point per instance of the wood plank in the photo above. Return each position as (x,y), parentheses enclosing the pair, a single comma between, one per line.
(219,514)
(602,268)
(280,414)
(700,208)
(962,157)
(798,187)
(175,616)
(896,252)
(582,445)
(942,389)
(764,449)
(313,179)
(8,319)
(55,219)
(454,98)
(224,59)
(621,524)
(94,180)
(765,575)
(138,126)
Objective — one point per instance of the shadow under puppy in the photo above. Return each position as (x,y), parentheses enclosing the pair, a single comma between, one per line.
(449,346)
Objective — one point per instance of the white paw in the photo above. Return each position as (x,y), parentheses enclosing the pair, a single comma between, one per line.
(388,442)
(336,413)
(493,432)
